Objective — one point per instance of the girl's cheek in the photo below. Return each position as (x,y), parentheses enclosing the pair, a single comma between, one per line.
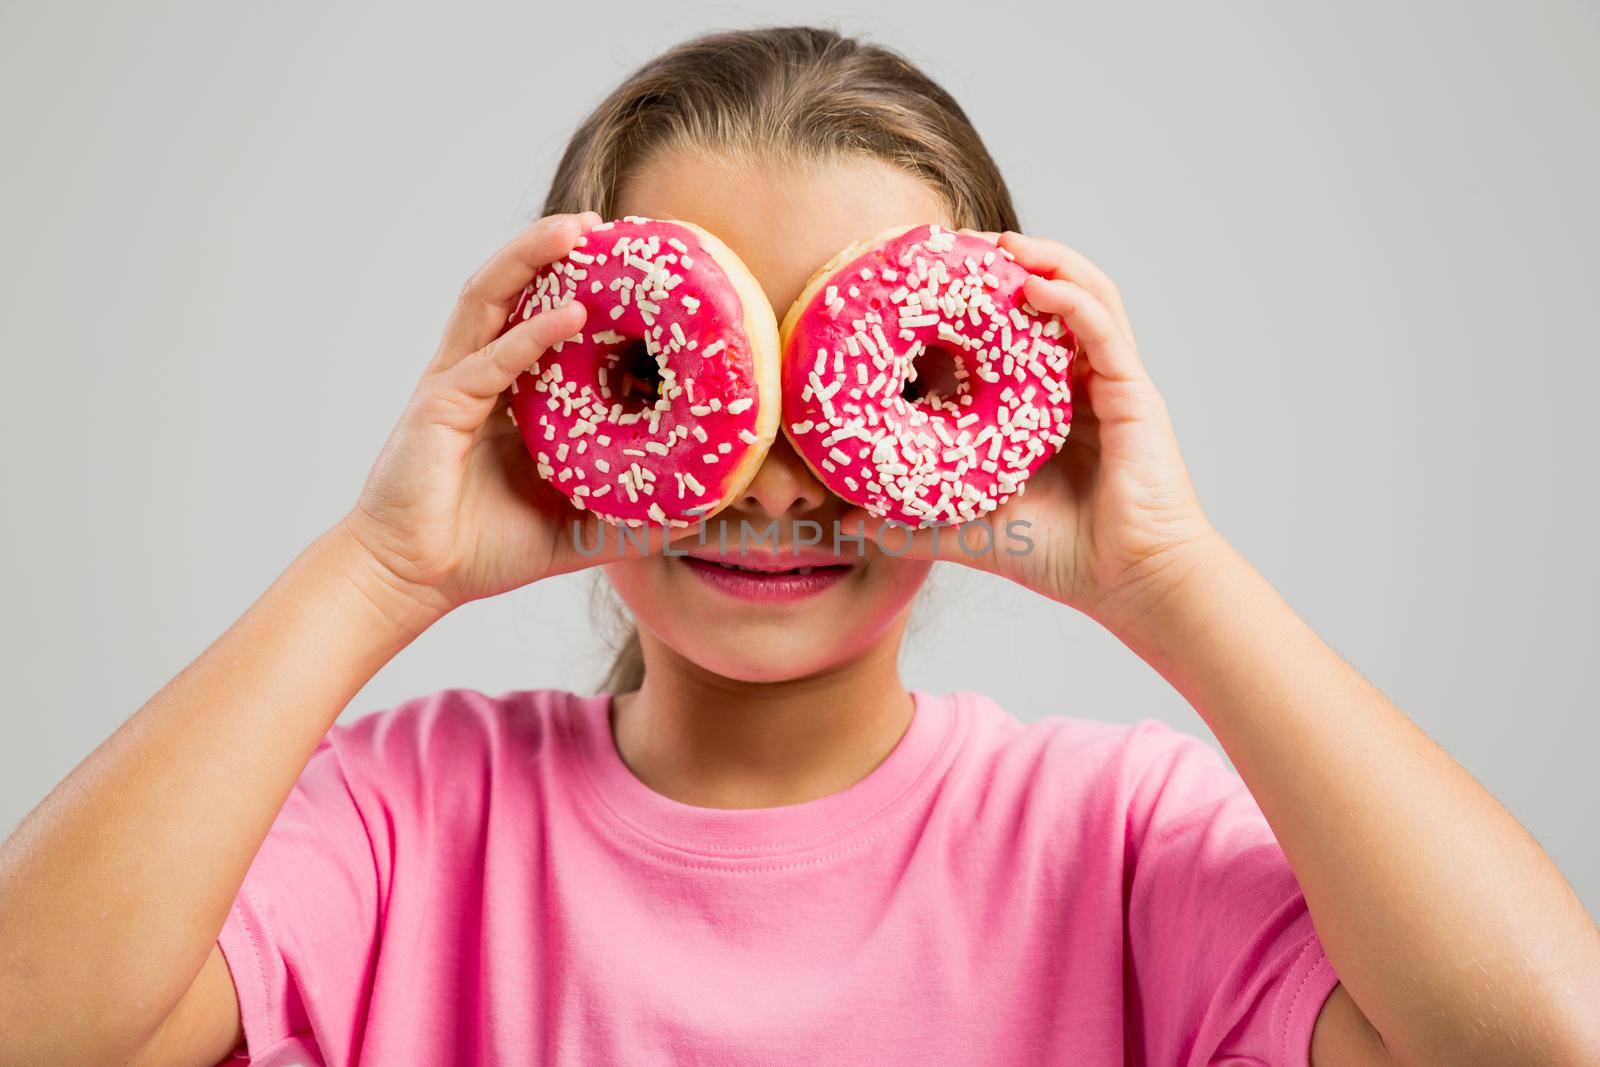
(899,579)
(885,589)
(640,584)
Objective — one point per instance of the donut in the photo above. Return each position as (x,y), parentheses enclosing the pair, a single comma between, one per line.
(993,401)
(662,408)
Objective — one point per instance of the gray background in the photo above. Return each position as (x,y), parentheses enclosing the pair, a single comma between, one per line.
(1358,243)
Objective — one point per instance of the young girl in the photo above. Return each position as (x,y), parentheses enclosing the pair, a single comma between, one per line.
(759,846)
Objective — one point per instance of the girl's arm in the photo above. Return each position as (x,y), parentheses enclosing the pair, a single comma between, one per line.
(1449,928)
(1453,935)
(113,890)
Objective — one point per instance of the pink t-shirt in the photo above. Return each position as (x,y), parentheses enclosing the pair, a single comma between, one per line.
(475,879)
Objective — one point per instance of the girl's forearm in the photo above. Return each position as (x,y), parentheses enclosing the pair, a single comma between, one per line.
(113,889)
(1447,924)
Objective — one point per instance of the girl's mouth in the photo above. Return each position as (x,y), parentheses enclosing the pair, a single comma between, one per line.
(768,578)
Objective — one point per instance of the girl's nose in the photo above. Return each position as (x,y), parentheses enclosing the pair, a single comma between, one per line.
(784,486)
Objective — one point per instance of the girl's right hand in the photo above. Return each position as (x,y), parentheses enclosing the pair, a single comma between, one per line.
(454,509)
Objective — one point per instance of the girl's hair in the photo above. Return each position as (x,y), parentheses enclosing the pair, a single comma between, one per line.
(792,94)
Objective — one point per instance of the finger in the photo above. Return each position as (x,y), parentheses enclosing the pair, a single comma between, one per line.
(992,236)
(471,388)
(1109,351)
(1056,260)
(488,372)
(1084,431)
(489,296)
(500,423)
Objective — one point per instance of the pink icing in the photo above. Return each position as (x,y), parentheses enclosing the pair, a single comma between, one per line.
(664,461)
(937,459)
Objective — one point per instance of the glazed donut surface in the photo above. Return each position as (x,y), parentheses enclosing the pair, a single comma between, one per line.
(663,407)
(949,449)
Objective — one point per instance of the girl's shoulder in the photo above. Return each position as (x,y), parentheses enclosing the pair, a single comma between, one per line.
(1000,733)
(454,736)
(1060,766)
(460,717)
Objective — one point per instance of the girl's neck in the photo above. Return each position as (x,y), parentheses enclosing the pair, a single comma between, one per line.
(714,742)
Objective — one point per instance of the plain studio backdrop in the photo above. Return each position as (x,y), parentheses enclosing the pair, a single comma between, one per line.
(1358,244)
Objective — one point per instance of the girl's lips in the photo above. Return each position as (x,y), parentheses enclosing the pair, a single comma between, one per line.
(765,584)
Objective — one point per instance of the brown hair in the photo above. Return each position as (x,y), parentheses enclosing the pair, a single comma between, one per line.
(791,93)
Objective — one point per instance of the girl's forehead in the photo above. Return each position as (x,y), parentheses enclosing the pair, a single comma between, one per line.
(784,219)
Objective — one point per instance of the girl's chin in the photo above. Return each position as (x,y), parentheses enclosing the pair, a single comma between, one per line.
(752,652)
(766,646)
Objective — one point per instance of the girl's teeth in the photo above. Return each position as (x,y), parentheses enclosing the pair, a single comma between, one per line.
(752,570)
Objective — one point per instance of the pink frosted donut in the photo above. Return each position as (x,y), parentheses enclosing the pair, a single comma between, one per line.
(663,407)
(994,402)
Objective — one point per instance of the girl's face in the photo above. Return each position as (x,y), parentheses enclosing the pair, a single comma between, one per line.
(785,222)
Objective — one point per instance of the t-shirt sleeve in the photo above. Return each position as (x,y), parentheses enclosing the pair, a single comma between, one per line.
(1225,965)
(301,935)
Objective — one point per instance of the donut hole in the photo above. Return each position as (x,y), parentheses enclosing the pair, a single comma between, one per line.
(635,377)
(936,372)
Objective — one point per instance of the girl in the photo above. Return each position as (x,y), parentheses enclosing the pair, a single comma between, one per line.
(758,845)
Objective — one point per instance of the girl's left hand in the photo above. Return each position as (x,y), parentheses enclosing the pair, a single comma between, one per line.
(1113,517)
